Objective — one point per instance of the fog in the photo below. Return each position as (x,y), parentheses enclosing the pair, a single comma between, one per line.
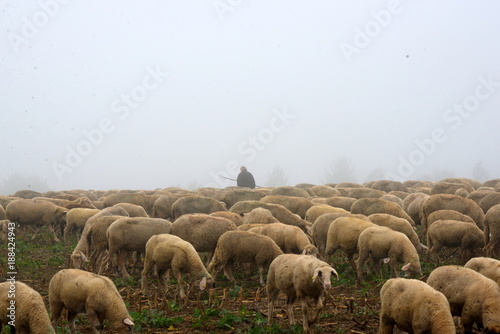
(146,95)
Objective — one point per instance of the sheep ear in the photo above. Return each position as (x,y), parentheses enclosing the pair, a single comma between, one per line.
(83,257)
(309,230)
(203,283)
(406,266)
(316,274)
(334,272)
(424,247)
(304,252)
(128,322)
(386,260)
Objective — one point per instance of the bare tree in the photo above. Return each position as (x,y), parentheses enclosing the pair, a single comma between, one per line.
(376,174)
(479,172)
(277,178)
(339,171)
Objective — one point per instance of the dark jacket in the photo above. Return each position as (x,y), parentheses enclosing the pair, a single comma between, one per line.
(245,179)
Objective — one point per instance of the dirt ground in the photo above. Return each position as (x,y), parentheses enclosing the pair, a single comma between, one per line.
(226,308)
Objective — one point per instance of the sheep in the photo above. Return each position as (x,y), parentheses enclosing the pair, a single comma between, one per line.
(196,204)
(319,209)
(414,307)
(412,204)
(389,185)
(393,198)
(485,266)
(232,216)
(364,192)
(472,297)
(2,213)
(259,216)
(299,277)
(290,239)
(162,207)
(165,252)
(368,206)
(443,187)
(246,227)
(451,202)
(202,231)
(400,225)
(76,219)
(243,247)
(81,251)
(324,191)
(338,202)
(448,215)
(381,242)
(37,213)
(453,233)
(79,291)
(343,234)
(131,234)
(492,231)
(279,212)
(319,229)
(290,191)
(489,201)
(138,198)
(234,196)
(297,205)
(133,210)
(23,309)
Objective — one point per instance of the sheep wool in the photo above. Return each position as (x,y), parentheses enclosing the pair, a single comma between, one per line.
(79,291)
(485,266)
(472,297)
(30,313)
(299,276)
(414,307)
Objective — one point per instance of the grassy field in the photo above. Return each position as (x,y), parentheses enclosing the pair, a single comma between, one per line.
(226,308)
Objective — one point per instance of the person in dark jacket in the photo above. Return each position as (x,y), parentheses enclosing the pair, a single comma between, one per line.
(245,178)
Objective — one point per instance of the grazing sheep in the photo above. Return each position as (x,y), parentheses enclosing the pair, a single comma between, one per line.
(38,213)
(492,231)
(131,234)
(24,307)
(448,215)
(133,210)
(246,227)
(452,202)
(337,202)
(97,240)
(76,219)
(279,212)
(297,205)
(324,191)
(368,206)
(162,207)
(389,185)
(232,216)
(489,201)
(364,192)
(290,191)
(290,239)
(443,187)
(231,197)
(414,307)
(79,291)
(202,231)
(165,252)
(320,209)
(393,198)
(472,297)
(2,213)
(243,247)
(259,216)
(485,266)
(299,277)
(196,204)
(381,242)
(80,253)
(137,198)
(455,234)
(400,225)
(343,234)
(412,205)
(320,228)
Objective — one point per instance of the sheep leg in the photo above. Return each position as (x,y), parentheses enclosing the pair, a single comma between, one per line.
(261,276)
(144,276)
(95,320)
(289,309)
(55,310)
(350,257)
(51,229)
(138,255)
(121,264)
(228,272)
(363,256)
(386,325)
(305,315)
(273,294)
(71,322)
(161,277)
(319,307)
(180,284)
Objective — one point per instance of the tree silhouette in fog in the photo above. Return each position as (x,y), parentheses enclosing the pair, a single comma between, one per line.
(340,170)
(479,172)
(17,181)
(277,178)
(376,174)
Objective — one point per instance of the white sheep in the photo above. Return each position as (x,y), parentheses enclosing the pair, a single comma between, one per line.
(98,241)
(343,234)
(414,307)
(131,235)
(472,297)
(380,243)
(455,234)
(243,247)
(24,307)
(76,219)
(259,216)
(299,277)
(291,239)
(165,252)
(79,291)
(486,266)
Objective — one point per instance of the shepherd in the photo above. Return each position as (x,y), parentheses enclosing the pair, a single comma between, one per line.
(245,178)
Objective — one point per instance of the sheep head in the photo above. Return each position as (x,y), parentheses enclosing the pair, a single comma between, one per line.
(323,276)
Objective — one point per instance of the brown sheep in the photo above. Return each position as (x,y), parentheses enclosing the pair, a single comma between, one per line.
(137,198)
(259,216)
(400,225)
(297,205)
(368,206)
(196,204)
(451,202)
(412,204)
(76,219)
(162,207)
(448,215)
(489,201)
(37,213)
(364,192)
(133,210)
(389,185)
(232,216)
(325,191)
(320,209)
(290,191)
(2,213)
(234,196)
(337,202)
(450,187)
(393,198)
(492,231)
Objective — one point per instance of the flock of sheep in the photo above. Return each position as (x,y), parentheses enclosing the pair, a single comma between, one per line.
(288,234)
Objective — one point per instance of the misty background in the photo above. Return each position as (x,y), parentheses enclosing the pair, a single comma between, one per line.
(146,95)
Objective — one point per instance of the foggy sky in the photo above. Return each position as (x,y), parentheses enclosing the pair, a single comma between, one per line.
(146,95)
